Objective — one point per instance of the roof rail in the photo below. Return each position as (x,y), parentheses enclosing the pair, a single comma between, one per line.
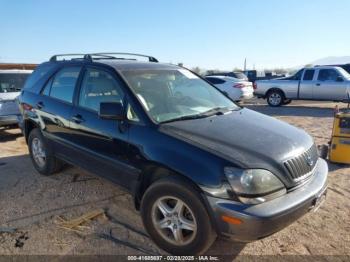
(82,56)
(105,55)
(150,58)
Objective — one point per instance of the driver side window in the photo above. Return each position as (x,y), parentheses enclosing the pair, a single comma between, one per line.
(99,86)
(328,75)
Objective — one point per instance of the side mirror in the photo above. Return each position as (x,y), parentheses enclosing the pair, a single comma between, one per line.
(111,110)
(339,79)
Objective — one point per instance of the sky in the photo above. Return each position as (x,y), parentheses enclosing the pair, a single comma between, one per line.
(209,34)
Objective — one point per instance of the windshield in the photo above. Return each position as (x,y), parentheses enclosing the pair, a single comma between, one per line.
(172,94)
(12,82)
(344,73)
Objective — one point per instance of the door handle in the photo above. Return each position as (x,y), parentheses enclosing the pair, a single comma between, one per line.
(40,105)
(318,84)
(77,119)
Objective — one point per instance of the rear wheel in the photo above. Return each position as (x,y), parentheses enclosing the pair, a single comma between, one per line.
(176,219)
(275,98)
(42,155)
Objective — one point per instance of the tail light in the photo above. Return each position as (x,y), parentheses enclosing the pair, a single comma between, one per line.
(27,107)
(255,86)
(239,85)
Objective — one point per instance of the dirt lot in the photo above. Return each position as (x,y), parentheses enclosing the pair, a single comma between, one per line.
(30,203)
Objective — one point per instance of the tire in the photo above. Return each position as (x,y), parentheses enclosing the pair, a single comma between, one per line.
(39,148)
(323,151)
(171,192)
(275,98)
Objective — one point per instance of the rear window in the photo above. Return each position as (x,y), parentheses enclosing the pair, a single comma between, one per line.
(240,75)
(12,82)
(64,82)
(308,75)
(39,72)
(214,80)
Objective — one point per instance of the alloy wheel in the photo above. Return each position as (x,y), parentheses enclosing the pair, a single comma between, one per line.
(38,152)
(174,220)
(275,99)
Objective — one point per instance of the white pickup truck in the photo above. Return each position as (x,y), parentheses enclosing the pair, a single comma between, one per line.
(328,83)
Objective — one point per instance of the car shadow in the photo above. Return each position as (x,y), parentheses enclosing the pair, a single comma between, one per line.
(9,134)
(336,166)
(226,250)
(302,111)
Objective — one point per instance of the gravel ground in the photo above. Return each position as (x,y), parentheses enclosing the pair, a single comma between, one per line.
(30,204)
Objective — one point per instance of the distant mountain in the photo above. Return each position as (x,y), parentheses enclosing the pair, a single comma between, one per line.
(331,60)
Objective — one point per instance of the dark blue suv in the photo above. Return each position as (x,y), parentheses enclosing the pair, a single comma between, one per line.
(197,165)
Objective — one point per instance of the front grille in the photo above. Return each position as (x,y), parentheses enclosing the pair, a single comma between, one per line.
(301,166)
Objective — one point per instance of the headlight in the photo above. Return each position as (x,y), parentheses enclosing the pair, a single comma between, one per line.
(254,186)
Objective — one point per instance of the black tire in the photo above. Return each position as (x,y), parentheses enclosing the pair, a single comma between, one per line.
(51,164)
(275,98)
(171,187)
(323,151)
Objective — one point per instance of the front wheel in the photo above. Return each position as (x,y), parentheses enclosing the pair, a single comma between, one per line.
(176,219)
(275,98)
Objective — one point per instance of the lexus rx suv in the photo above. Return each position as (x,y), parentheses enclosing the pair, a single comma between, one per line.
(198,166)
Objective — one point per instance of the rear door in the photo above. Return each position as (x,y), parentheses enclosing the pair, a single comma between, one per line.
(328,85)
(101,145)
(54,107)
(307,84)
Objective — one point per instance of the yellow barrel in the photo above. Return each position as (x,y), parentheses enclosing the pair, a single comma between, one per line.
(341,125)
(340,143)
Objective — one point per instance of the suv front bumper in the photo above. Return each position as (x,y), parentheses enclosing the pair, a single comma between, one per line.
(262,220)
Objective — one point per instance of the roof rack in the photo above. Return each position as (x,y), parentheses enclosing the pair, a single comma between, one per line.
(96,56)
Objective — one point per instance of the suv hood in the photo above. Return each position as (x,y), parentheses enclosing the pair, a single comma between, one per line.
(246,138)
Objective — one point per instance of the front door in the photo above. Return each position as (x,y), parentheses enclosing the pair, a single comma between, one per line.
(328,86)
(101,144)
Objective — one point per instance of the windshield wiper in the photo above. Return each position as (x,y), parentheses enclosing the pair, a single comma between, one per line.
(210,112)
(189,117)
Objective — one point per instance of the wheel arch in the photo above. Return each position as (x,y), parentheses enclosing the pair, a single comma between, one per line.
(153,172)
(29,125)
(275,89)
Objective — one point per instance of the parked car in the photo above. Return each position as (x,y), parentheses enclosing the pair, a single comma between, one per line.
(325,83)
(236,74)
(11,83)
(198,166)
(234,88)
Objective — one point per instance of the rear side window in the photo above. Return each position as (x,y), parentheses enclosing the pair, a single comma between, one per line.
(99,86)
(39,72)
(309,75)
(215,81)
(63,84)
(327,75)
